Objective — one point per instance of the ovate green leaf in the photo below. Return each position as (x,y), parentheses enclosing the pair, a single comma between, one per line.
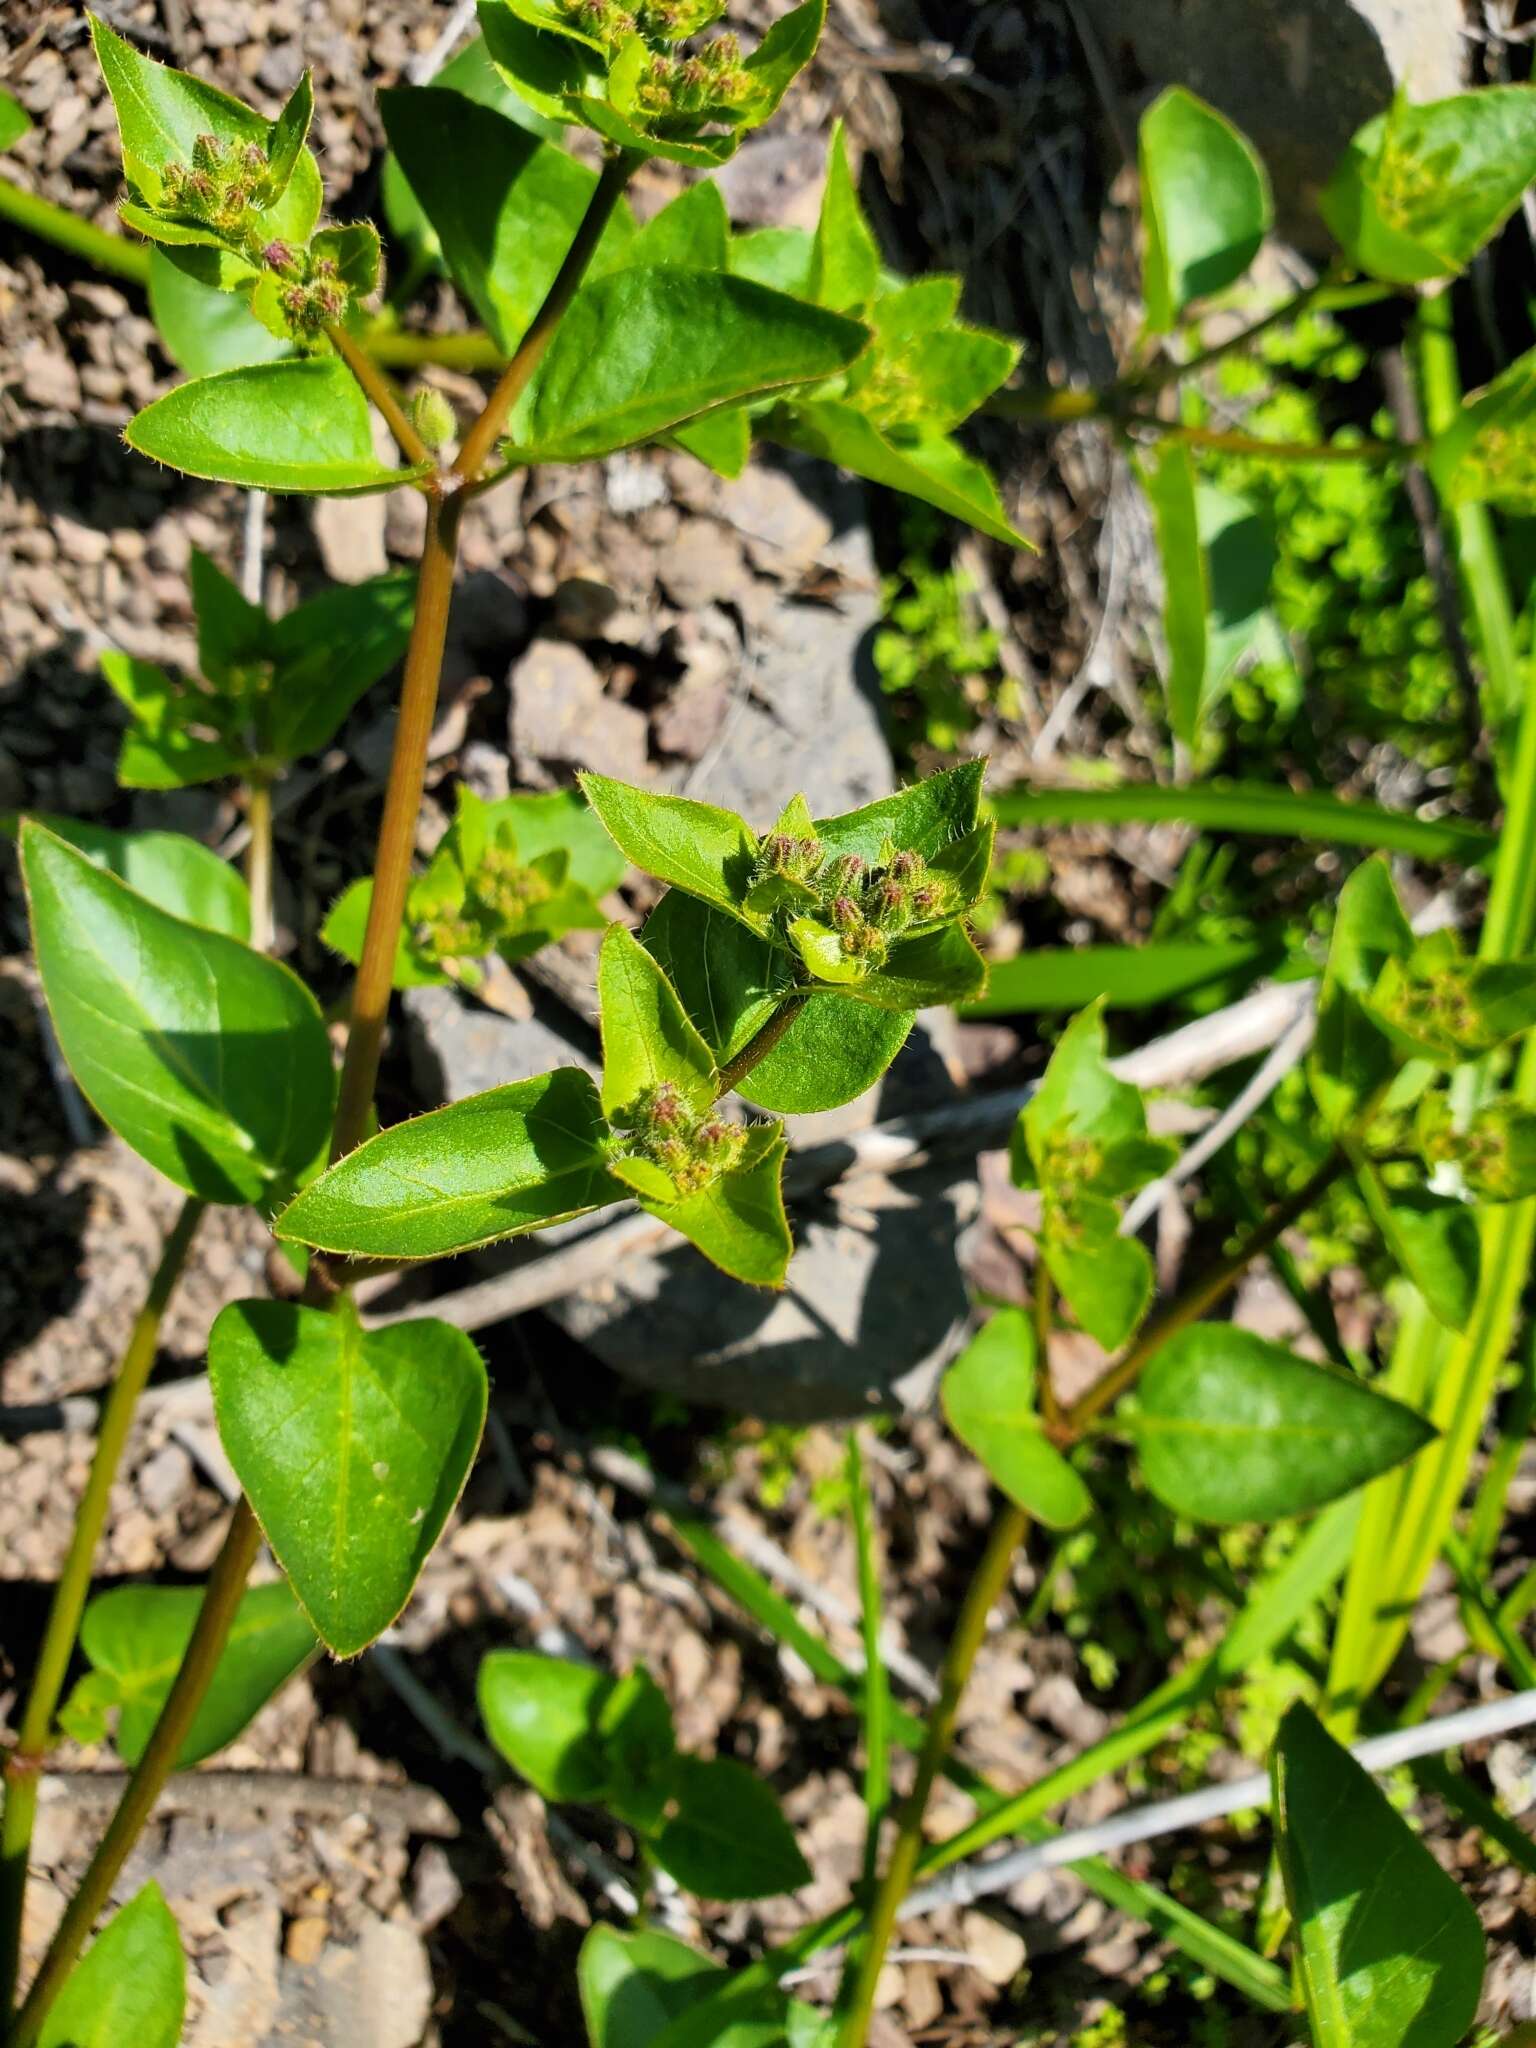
(648,1039)
(205,329)
(352,1447)
(210,1060)
(504,232)
(129,1987)
(633,1985)
(492,1166)
(738,1219)
(696,847)
(727,1838)
(1421,189)
(643,350)
(925,818)
(1435,1241)
(691,232)
(845,257)
(289,426)
(1168,476)
(180,875)
(327,652)
(542,1713)
(135,1637)
(1390,1948)
(923,465)
(1205,204)
(1234,1429)
(1351,1056)
(1105,1279)
(14,120)
(990,1403)
(162,748)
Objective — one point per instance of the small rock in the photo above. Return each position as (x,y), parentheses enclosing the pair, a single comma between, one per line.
(350,535)
(782,530)
(561,717)
(704,565)
(996,1952)
(49,379)
(86,545)
(459,1048)
(484,768)
(875,1308)
(164,1478)
(280,69)
(435,1888)
(689,720)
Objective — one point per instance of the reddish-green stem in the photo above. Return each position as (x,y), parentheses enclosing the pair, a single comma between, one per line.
(760,1044)
(370,1005)
(480,441)
(397,830)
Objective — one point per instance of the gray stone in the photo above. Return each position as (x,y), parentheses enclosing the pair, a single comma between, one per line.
(349,533)
(874,1307)
(809,719)
(459,1048)
(1297,76)
(875,1304)
(562,718)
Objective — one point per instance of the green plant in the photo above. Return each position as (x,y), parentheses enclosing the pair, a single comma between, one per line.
(937,660)
(783,965)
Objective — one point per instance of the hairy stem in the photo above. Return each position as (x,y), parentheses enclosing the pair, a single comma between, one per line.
(986,1587)
(258,863)
(760,1044)
(380,391)
(480,442)
(69,1595)
(226,1585)
(397,830)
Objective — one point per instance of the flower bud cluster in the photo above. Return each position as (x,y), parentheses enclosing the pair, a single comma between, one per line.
(227,187)
(870,905)
(693,1149)
(1438,1003)
(224,183)
(498,902)
(506,889)
(312,291)
(706,85)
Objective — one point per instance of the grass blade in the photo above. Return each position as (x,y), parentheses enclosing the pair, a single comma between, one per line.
(1254,808)
(1128,977)
(1272,1611)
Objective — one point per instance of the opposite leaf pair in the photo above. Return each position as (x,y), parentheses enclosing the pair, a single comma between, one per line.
(718,963)
(622,71)
(508,877)
(536,1152)
(578,1735)
(271,690)
(234,200)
